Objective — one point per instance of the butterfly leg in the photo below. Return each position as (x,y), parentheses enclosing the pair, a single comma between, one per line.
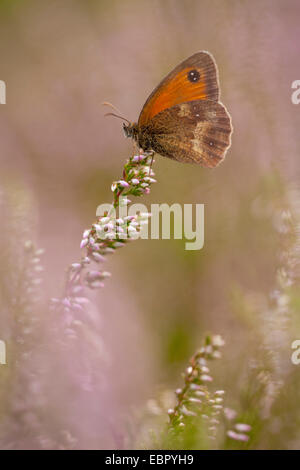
(151,163)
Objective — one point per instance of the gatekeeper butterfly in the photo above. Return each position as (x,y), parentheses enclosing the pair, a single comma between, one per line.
(183,119)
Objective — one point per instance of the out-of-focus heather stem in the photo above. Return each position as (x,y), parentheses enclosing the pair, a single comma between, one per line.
(196,401)
(275,318)
(25,401)
(196,378)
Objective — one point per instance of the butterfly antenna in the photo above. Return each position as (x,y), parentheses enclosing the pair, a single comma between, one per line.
(106,103)
(116,115)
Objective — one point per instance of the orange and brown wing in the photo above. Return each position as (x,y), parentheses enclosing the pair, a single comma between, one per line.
(192,132)
(196,78)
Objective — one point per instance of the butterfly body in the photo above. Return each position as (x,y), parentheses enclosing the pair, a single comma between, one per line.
(182,119)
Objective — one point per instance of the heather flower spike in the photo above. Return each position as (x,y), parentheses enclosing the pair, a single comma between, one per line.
(106,234)
(195,399)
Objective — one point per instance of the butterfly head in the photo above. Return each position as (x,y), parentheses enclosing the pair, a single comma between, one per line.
(131,130)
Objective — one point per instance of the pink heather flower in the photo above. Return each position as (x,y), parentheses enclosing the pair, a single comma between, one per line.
(77,307)
(131,229)
(106,274)
(196,387)
(118,244)
(109,226)
(123,184)
(219,392)
(135,181)
(214,421)
(206,378)
(138,158)
(202,361)
(108,250)
(109,236)
(124,201)
(82,300)
(95,247)
(187,412)
(219,400)
(66,302)
(230,413)
(149,180)
(97,227)
(93,275)
(217,340)
(77,290)
(96,284)
(217,407)
(104,220)
(86,233)
(38,268)
(242,427)
(39,252)
(84,243)
(237,437)
(195,400)
(97,257)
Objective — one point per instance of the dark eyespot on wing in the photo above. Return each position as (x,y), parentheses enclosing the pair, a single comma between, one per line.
(194,75)
(177,87)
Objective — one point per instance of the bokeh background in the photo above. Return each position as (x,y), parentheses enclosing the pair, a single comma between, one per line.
(59,155)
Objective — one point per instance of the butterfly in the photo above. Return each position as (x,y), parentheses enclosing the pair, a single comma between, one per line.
(183,119)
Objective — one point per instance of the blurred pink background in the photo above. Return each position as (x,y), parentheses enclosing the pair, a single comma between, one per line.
(59,155)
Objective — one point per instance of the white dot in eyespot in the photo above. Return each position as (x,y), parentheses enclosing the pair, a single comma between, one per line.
(193,75)
(210,143)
